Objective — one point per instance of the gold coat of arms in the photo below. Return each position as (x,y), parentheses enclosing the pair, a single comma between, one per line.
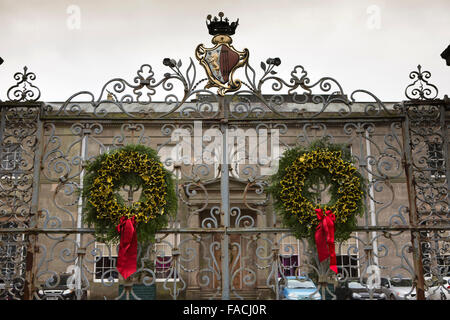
(223,59)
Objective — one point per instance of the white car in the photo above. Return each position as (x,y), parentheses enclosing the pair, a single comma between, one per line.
(398,288)
(438,289)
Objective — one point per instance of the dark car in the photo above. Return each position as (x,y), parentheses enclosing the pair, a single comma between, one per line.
(360,291)
(353,289)
(61,289)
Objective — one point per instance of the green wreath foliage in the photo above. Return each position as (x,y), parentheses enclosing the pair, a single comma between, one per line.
(323,163)
(135,166)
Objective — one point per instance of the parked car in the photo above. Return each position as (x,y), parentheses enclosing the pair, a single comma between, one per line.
(438,289)
(340,290)
(359,291)
(63,289)
(353,289)
(299,288)
(398,288)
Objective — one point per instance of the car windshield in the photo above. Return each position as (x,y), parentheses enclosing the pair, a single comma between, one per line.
(355,285)
(301,284)
(401,282)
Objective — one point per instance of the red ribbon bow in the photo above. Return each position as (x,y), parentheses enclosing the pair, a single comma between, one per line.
(127,259)
(325,237)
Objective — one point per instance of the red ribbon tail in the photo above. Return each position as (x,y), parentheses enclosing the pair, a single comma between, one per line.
(333,261)
(321,237)
(331,218)
(127,258)
(324,237)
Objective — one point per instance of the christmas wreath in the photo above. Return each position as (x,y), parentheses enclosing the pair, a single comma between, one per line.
(135,166)
(300,169)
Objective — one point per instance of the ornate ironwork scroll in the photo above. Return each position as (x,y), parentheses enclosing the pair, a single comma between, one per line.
(226,241)
(427,160)
(20,135)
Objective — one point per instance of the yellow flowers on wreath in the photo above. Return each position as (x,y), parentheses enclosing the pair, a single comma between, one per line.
(300,169)
(134,166)
(154,188)
(341,172)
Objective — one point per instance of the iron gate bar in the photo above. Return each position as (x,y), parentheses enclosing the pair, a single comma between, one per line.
(444,106)
(408,163)
(381,118)
(226,230)
(225,200)
(34,214)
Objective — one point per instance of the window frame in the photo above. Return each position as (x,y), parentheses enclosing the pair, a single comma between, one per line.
(14,242)
(112,256)
(435,154)
(5,153)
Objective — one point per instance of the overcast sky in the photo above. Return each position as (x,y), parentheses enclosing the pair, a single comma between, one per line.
(364,44)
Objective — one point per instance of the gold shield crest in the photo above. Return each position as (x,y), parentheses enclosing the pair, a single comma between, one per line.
(222,60)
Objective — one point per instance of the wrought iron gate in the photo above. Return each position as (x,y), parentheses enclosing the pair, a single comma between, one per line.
(226,241)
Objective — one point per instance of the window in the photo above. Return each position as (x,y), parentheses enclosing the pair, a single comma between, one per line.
(443,262)
(436,160)
(347,257)
(105,265)
(435,259)
(348,265)
(104,269)
(106,262)
(162,267)
(289,264)
(289,258)
(10,158)
(7,257)
(163,260)
(10,253)
(426,252)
